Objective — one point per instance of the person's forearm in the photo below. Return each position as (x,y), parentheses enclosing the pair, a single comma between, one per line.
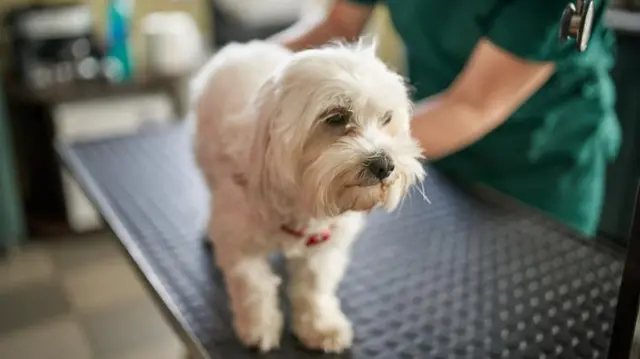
(345,21)
(305,35)
(443,126)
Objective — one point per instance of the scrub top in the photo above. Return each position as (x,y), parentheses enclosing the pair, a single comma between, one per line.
(553,151)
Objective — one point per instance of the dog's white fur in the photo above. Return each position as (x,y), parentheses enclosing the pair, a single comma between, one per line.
(269,157)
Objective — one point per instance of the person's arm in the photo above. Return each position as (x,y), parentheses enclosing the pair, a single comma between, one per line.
(513,60)
(491,87)
(345,20)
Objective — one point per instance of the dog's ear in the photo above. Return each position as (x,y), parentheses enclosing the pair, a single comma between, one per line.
(265,107)
(264,172)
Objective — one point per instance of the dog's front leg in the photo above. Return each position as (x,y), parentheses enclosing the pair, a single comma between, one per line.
(318,320)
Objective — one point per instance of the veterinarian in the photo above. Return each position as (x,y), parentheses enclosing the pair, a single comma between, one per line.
(500,102)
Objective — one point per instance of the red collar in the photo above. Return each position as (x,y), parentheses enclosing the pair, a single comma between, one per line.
(312,239)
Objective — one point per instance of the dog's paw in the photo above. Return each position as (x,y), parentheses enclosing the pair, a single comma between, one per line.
(262,330)
(327,330)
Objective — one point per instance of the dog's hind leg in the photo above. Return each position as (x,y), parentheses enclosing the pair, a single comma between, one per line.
(251,284)
(253,295)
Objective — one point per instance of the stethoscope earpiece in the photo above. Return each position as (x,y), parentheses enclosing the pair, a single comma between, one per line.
(576,23)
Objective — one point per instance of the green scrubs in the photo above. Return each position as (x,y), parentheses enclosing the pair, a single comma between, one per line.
(553,151)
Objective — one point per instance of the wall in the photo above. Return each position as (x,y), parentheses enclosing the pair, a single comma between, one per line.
(390,49)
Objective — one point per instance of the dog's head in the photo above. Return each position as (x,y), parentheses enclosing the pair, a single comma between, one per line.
(334,134)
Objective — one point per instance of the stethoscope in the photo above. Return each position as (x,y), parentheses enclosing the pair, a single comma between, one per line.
(576,23)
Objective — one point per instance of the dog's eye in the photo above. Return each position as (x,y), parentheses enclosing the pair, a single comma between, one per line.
(338,119)
(386,119)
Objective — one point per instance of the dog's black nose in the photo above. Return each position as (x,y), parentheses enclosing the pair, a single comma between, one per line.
(380,166)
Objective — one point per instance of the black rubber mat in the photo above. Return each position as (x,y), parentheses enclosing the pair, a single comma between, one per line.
(451,279)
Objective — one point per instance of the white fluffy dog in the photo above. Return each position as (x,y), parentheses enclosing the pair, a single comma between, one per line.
(296,148)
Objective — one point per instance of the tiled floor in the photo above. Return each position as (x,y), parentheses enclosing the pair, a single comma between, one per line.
(79,299)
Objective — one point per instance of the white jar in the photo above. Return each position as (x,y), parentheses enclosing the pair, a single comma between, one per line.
(173,43)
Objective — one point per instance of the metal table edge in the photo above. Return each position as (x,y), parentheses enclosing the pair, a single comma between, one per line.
(141,266)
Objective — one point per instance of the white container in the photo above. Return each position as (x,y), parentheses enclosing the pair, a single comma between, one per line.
(174,46)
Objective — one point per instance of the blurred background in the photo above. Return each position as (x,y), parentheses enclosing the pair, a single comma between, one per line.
(63,282)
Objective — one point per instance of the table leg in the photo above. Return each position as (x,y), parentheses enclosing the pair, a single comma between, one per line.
(629,295)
